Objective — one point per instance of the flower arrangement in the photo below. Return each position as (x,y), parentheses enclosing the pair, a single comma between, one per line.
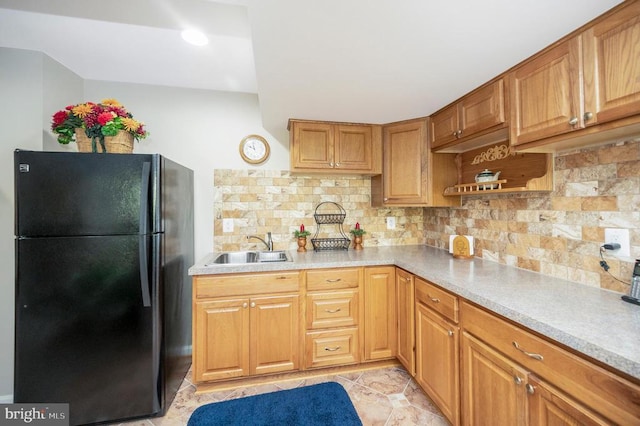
(357,232)
(301,233)
(98,120)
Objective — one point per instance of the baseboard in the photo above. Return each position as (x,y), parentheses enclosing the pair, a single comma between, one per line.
(6,399)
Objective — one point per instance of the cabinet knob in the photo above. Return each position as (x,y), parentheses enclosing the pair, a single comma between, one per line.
(455,134)
(517,380)
(331,164)
(337,164)
(385,199)
(573,121)
(253,304)
(459,133)
(245,305)
(530,389)
(588,116)
(450,333)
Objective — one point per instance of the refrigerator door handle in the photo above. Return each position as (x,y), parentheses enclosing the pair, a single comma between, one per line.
(142,242)
(144,197)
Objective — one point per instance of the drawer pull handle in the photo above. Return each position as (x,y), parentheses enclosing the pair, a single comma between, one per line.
(529,354)
(332,311)
(332,349)
(282,277)
(433,299)
(335,280)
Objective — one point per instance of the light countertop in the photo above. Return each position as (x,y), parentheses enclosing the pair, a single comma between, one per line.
(590,320)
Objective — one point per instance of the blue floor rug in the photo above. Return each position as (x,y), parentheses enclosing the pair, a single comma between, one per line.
(324,404)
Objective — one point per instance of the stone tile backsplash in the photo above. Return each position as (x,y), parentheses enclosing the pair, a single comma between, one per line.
(557,233)
(261,201)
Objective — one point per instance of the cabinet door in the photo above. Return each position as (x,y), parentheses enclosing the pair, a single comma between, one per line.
(379,313)
(353,145)
(437,369)
(312,146)
(482,109)
(405,163)
(221,339)
(546,94)
(444,126)
(550,407)
(493,387)
(275,340)
(612,66)
(406,320)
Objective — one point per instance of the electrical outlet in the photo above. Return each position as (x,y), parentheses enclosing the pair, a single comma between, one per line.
(391,222)
(620,236)
(227,225)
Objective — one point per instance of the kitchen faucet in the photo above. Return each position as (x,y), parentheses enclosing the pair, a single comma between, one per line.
(268,243)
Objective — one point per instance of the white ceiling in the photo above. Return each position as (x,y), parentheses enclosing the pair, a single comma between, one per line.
(374,61)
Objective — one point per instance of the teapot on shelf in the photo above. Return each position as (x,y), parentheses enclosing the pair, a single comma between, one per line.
(487,176)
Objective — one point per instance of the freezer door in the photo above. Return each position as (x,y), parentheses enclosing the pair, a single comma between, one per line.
(85,335)
(66,194)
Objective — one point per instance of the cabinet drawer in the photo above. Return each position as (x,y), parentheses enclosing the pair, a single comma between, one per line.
(329,279)
(437,299)
(335,309)
(612,396)
(324,348)
(245,284)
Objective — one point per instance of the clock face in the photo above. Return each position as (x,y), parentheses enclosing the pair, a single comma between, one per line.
(254,149)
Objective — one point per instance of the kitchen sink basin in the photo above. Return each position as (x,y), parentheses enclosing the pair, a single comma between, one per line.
(242,257)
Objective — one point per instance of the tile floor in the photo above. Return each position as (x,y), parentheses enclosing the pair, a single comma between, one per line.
(384,397)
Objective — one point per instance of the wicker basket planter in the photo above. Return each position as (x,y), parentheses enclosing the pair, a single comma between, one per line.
(122,143)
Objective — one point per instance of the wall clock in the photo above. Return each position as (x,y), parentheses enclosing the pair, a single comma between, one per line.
(254,149)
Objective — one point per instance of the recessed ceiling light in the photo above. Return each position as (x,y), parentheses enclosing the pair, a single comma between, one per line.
(195,37)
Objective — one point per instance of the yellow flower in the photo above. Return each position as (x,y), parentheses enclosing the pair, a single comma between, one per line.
(82,110)
(130,125)
(111,102)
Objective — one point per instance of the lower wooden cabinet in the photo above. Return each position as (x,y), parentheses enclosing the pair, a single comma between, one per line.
(511,376)
(405,308)
(246,336)
(239,329)
(380,328)
(493,386)
(438,348)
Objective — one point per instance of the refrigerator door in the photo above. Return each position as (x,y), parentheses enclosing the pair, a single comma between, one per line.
(85,333)
(66,194)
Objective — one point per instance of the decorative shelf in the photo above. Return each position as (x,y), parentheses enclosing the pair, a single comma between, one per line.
(332,214)
(522,172)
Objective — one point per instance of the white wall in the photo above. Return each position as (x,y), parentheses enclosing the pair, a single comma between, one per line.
(198,128)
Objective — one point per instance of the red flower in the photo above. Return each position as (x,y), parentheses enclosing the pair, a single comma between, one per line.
(59,117)
(104,118)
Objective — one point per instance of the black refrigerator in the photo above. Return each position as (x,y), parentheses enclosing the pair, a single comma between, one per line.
(103,297)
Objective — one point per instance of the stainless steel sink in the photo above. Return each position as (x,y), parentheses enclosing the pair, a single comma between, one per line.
(242,257)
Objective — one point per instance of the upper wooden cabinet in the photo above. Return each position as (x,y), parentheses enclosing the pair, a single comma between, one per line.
(458,126)
(335,147)
(412,175)
(581,90)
